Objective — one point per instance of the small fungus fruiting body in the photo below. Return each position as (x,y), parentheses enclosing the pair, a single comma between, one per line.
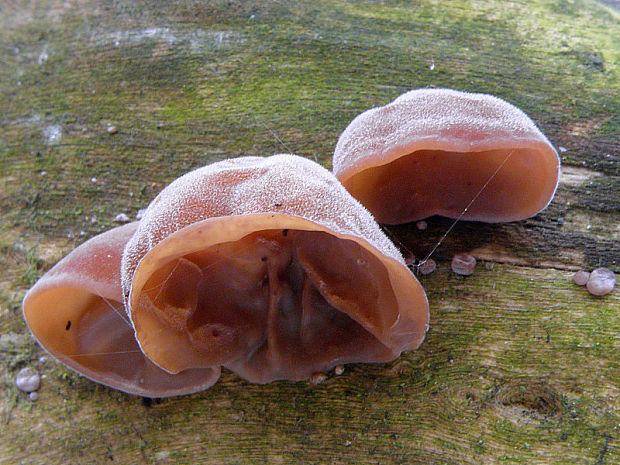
(427,266)
(463,264)
(433,151)
(266,266)
(601,282)
(581,278)
(28,380)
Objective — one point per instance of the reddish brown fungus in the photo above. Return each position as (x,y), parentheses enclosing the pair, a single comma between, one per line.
(76,313)
(264,265)
(433,151)
(269,267)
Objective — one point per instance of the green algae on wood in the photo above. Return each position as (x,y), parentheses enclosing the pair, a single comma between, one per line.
(519,366)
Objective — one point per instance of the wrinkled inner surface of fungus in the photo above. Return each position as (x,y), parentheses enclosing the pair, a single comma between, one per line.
(400,190)
(274,304)
(269,267)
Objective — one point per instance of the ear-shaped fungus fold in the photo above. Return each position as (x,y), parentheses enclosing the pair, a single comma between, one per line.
(269,267)
(432,151)
(76,313)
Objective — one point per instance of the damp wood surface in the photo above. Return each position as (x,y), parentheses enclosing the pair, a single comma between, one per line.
(104,103)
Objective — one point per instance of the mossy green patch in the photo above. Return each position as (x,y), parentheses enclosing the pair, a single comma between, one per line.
(190,83)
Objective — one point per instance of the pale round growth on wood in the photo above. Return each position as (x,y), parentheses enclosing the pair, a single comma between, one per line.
(463,264)
(432,151)
(28,380)
(581,278)
(269,267)
(601,282)
(427,266)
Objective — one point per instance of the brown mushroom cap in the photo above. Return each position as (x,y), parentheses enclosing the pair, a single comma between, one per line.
(431,151)
(76,313)
(269,267)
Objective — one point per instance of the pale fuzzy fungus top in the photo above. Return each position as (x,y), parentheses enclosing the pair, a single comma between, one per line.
(282,184)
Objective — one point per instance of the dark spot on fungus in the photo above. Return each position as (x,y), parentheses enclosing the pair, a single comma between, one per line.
(68,326)
(285,232)
(278,204)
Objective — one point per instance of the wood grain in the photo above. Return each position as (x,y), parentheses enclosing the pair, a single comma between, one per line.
(520,365)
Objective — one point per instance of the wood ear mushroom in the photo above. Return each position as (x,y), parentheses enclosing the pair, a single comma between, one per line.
(76,313)
(266,266)
(431,151)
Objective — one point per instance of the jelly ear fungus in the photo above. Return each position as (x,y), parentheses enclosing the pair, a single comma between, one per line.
(76,313)
(431,151)
(269,267)
(264,265)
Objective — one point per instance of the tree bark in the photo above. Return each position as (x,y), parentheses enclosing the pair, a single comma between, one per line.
(104,103)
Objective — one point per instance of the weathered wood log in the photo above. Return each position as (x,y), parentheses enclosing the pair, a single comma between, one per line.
(103,104)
